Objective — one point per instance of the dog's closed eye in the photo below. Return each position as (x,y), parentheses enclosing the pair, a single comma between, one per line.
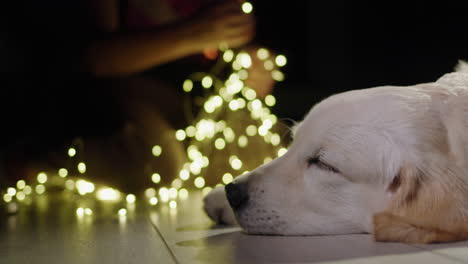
(316,161)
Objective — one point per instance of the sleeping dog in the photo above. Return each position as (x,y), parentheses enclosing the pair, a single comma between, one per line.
(391,161)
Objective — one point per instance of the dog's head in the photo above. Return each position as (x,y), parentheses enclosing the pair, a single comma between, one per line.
(388,160)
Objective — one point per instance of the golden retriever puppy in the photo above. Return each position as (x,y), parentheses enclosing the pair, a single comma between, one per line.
(392,161)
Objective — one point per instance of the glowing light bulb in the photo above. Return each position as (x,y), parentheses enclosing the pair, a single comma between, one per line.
(199,182)
(263,53)
(40,189)
(235,162)
(234,105)
(269,65)
(247,7)
(156,178)
(80,211)
(228,55)
(82,167)
(173,204)
(184,174)
(277,76)
(220,143)
(245,60)
(180,135)
(84,187)
(183,194)
(27,190)
(150,192)
(11,191)
(108,194)
(71,152)
(88,211)
(242,141)
(190,131)
(270,100)
(250,94)
(227,178)
(176,183)
(41,177)
(172,193)
(20,196)
(156,150)
(187,86)
(282,151)
(122,212)
(251,130)
(280,60)
(243,74)
(7,198)
(130,198)
(275,139)
(63,172)
(20,184)
(153,201)
(207,82)
(70,185)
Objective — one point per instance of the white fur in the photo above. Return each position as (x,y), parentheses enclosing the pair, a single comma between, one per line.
(367,135)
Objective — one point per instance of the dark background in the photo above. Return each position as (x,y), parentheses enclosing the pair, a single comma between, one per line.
(331,46)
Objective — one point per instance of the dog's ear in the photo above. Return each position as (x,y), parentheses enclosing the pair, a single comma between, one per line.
(423,209)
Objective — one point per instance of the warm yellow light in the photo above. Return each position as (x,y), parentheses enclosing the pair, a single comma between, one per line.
(220,143)
(227,178)
(163,192)
(20,196)
(84,187)
(173,204)
(270,100)
(251,130)
(234,105)
(277,76)
(280,60)
(180,135)
(262,130)
(176,183)
(71,152)
(130,198)
(20,184)
(156,178)
(82,167)
(187,86)
(199,182)
(190,131)
(150,192)
(229,134)
(236,65)
(122,212)
(282,151)
(206,190)
(275,139)
(41,177)
(80,211)
(207,82)
(247,7)
(108,194)
(183,194)
(243,74)
(263,53)
(153,201)
(256,104)
(11,191)
(172,193)
(242,141)
(250,94)
(269,65)
(88,211)
(63,172)
(40,189)
(27,190)
(228,55)
(245,60)
(184,174)
(236,163)
(70,185)
(156,150)
(7,198)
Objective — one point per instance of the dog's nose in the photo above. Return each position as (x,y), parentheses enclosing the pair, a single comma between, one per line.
(237,194)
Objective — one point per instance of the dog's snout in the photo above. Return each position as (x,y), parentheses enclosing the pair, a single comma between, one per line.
(237,194)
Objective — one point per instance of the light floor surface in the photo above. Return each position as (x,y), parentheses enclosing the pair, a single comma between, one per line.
(48,230)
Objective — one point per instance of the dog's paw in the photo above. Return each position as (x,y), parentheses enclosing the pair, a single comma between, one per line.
(217,207)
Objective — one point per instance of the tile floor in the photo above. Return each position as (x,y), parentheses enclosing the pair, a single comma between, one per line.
(49,231)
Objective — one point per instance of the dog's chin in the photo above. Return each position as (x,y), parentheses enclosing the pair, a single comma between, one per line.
(258,221)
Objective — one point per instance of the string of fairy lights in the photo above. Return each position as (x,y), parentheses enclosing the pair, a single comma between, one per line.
(214,140)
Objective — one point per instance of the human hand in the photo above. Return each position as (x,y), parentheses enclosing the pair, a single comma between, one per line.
(223,24)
